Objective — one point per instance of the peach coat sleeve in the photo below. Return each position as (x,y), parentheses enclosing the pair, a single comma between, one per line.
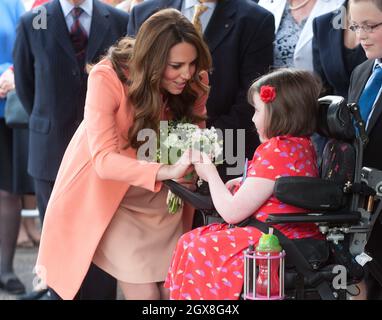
(104,97)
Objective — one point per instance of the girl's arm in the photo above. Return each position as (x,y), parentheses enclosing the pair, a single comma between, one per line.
(231,184)
(235,208)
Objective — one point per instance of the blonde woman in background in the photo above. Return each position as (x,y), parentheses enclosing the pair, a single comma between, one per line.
(294,29)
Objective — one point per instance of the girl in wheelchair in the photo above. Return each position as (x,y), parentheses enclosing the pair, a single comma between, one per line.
(208,261)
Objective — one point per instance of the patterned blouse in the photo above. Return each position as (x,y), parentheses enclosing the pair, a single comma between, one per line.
(287,37)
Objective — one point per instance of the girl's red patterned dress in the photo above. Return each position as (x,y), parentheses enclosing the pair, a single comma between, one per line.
(208,261)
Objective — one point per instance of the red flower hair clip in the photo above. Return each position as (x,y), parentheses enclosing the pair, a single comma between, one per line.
(267,93)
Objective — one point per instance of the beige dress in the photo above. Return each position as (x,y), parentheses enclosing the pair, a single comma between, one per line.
(138,244)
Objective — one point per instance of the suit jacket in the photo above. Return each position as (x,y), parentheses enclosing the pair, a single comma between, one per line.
(95,173)
(49,82)
(303,51)
(372,155)
(328,55)
(240,37)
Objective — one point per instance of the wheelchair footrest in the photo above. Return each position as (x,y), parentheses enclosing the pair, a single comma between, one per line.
(324,274)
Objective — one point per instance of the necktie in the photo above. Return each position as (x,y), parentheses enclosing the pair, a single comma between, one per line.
(369,93)
(78,37)
(199,10)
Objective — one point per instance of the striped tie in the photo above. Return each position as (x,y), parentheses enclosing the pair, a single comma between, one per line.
(199,10)
(78,37)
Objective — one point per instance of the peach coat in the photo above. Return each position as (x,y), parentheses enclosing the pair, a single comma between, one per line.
(94,175)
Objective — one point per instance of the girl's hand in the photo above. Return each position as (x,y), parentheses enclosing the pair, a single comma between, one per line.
(203,164)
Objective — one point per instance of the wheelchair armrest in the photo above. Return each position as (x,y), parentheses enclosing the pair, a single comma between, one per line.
(197,200)
(311,193)
(351,217)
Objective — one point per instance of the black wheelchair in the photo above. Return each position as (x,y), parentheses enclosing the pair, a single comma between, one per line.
(345,202)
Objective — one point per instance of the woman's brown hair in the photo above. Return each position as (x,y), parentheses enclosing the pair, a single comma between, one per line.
(294,111)
(145,58)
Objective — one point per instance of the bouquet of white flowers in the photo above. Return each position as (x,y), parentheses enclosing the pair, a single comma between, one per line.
(176,138)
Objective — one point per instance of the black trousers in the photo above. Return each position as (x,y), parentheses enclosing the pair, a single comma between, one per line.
(43,190)
(89,288)
(374,288)
(97,285)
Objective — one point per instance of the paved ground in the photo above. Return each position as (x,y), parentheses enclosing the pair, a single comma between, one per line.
(24,262)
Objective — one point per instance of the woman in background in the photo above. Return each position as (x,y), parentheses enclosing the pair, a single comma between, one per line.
(10,202)
(294,33)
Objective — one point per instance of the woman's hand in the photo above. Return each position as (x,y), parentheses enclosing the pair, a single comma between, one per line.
(183,166)
(189,180)
(178,170)
(7,83)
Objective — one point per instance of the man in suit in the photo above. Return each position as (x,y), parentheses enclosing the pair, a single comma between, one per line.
(331,45)
(240,35)
(365,89)
(51,83)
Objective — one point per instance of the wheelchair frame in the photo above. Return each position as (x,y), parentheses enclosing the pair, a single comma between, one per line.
(354,225)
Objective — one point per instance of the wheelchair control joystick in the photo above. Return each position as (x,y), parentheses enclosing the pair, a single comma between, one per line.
(359,122)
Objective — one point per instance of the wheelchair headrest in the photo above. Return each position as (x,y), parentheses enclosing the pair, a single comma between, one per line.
(334,119)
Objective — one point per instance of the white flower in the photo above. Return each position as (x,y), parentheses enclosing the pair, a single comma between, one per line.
(172,140)
(187,135)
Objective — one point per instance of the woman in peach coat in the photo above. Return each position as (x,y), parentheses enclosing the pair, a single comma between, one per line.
(107,206)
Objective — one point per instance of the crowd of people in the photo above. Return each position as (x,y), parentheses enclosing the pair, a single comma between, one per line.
(99,72)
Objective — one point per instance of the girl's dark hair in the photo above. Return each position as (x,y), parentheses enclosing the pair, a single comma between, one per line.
(294,111)
(145,60)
